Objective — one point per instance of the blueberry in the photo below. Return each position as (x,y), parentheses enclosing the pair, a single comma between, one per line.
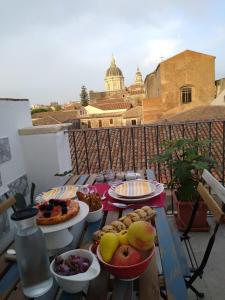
(49,207)
(47,214)
(64,210)
(42,207)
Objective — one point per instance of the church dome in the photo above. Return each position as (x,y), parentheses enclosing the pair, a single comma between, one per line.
(113,70)
(138,77)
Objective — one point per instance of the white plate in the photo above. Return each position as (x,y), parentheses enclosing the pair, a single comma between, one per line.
(60,192)
(82,214)
(159,189)
(135,188)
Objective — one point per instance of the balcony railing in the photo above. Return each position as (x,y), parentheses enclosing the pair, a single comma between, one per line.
(131,148)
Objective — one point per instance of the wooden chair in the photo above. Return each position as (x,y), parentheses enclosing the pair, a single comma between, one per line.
(213,206)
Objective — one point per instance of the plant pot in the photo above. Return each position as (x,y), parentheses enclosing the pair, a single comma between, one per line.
(184,211)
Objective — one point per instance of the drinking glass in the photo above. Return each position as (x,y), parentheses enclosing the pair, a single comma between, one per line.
(83,189)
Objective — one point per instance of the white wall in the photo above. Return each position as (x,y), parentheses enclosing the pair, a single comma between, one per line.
(46,151)
(13,116)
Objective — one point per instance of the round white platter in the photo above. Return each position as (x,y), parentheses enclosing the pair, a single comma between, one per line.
(138,188)
(58,235)
(159,189)
(60,192)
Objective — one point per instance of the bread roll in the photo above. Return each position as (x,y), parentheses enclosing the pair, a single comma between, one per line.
(145,213)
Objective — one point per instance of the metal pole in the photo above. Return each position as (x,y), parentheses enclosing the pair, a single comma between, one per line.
(97,142)
(157,149)
(86,152)
(145,147)
(121,149)
(75,152)
(133,153)
(223,155)
(110,157)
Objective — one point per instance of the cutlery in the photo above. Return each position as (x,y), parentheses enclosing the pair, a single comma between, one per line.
(122,205)
(103,197)
(119,205)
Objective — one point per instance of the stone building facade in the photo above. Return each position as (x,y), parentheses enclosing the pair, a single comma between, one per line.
(220,86)
(181,82)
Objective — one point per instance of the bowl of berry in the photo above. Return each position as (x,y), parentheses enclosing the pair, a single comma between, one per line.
(74,269)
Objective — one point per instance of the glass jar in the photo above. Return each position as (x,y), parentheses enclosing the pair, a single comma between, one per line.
(31,254)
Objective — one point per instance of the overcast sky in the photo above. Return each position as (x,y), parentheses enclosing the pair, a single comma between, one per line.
(50,48)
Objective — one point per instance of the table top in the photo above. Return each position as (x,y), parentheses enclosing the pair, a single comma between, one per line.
(145,287)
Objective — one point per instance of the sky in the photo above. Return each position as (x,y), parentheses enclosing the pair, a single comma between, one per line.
(50,48)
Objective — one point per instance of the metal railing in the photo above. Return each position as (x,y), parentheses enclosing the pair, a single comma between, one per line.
(131,148)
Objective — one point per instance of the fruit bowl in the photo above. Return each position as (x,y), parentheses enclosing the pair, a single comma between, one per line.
(94,216)
(130,272)
(76,283)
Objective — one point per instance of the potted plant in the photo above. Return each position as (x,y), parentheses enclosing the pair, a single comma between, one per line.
(187,158)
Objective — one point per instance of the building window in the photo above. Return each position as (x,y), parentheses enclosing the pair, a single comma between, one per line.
(111,121)
(186,94)
(99,123)
(89,124)
(133,122)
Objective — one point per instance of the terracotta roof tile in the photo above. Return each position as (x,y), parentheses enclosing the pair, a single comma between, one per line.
(44,118)
(133,112)
(113,106)
(198,113)
(133,149)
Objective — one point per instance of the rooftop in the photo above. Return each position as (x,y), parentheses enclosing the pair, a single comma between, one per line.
(198,113)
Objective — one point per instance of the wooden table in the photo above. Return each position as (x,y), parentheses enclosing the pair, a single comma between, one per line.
(147,287)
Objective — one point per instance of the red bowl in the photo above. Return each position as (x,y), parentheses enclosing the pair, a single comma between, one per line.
(127,272)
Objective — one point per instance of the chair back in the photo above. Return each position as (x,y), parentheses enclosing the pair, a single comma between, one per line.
(217,188)
(217,193)
(211,203)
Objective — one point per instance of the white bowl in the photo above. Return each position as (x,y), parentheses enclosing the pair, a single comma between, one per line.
(76,283)
(94,216)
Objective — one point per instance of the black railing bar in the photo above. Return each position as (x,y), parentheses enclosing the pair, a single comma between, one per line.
(110,157)
(75,152)
(210,144)
(132,141)
(99,160)
(145,147)
(171,172)
(86,152)
(121,149)
(210,138)
(157,150)
(196,131)
(183,130)
(223,152)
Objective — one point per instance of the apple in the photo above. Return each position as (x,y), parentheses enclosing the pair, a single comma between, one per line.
(141,235)
(122,236)
(94,246)
(126,255)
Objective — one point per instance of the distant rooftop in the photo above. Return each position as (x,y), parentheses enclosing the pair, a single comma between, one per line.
(201,113)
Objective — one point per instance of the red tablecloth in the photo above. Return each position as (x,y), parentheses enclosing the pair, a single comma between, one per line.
(157,201)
